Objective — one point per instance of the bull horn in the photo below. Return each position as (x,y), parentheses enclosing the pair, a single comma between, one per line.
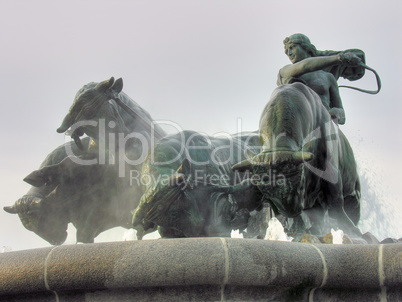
(301,156)
(68,121)
(242,166)
(11,210)
(105,85)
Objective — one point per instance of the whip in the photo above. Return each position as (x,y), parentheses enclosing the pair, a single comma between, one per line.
(364,90)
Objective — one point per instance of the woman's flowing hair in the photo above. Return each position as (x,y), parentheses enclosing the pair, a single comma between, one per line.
(347,72)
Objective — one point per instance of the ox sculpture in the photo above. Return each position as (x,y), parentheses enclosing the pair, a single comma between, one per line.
(86,182)
(301,143)
(191,190)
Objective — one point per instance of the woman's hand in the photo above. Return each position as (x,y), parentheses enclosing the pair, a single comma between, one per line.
(338,115)
(349,59)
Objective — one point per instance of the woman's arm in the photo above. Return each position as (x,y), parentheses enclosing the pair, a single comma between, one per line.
(308,65)
(317,63)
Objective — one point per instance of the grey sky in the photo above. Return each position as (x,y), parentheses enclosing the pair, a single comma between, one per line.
(202,64)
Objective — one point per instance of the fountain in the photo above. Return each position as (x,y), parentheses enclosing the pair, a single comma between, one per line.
(298,172)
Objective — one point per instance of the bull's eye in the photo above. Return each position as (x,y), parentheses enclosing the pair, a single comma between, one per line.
(87,113)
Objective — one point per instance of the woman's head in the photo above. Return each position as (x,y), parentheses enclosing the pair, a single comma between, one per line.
(301,41)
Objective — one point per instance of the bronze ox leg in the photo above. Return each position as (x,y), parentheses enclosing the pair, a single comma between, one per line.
(336,208)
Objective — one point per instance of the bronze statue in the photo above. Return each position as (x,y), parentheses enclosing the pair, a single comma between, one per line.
(320,71)
(82,181)
(63,192)
(192,191)
(301,163)
(74,185)
(299,139)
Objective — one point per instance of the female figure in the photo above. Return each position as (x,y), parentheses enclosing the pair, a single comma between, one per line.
(309,65)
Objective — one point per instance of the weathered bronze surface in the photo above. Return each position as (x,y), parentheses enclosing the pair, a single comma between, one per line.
(300,141)
(81,182)
(300,163)
(193,191)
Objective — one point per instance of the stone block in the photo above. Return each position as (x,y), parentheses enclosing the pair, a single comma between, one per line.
(392,265)
(351,266)
(22,271)
(83,266)
(346,295)
(157,294)
(163,263)
(274,263)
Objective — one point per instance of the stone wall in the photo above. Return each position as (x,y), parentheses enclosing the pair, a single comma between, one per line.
(203,269)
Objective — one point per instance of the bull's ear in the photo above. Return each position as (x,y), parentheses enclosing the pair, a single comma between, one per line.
(117,85)
(36,179)
(105,85)
(184,167)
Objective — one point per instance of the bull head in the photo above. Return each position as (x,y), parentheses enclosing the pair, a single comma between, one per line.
(40,218)
(57,201)
(37,214)
(87,105)
(279,175)
(168,204)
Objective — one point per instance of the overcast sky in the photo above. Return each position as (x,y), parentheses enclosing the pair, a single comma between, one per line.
(202,64)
